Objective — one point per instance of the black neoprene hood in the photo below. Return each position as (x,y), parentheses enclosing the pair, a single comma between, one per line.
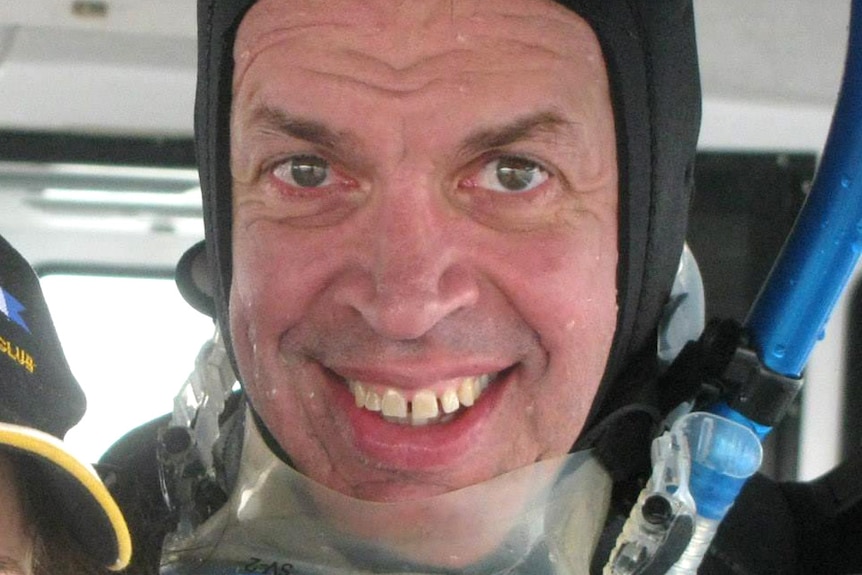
(649,49)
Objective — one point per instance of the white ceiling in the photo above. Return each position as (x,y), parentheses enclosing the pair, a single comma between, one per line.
(789,51)
(129,69)
(771,71)
(770,68)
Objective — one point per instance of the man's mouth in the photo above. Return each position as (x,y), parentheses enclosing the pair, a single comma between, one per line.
(426,406)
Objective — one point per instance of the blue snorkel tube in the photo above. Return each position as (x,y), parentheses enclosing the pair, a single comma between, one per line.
(818,258)
(747,376)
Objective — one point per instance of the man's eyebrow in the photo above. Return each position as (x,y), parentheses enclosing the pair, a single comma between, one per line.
(274,120)
(268,119)
(524,128)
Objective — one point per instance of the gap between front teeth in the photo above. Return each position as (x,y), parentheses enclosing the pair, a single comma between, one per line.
(425,407)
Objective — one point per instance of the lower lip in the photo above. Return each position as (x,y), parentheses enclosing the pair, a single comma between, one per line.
(419,448)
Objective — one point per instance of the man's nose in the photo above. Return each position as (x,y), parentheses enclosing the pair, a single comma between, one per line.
(413,273)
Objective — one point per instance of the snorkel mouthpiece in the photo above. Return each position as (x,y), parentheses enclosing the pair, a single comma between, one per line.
(724,454)
(699,467)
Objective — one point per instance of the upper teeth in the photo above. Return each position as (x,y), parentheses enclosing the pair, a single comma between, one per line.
(425,405)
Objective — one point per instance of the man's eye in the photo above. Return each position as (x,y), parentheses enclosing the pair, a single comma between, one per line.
(511,174)
(304,172)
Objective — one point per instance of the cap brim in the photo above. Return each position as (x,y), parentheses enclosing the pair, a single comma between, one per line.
(91,511)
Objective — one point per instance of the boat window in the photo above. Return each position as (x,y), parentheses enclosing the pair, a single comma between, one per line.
(131,342)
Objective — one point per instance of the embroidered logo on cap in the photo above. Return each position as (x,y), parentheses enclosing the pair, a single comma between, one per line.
(12,308)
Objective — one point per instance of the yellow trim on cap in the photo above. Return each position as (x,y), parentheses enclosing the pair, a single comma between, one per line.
(49,447)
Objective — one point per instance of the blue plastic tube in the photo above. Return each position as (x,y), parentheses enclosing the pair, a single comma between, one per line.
(790,313)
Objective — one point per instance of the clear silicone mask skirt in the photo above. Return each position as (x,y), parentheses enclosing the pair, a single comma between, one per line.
(543,518)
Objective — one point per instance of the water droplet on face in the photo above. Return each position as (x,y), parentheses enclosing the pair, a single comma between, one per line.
(846,181)
(779,351)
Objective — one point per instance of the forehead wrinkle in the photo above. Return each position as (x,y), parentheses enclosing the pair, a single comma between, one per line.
(391,58)
(248,45)
(379,77)
(388,78)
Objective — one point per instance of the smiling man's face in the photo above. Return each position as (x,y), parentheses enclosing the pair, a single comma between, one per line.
(425,236)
